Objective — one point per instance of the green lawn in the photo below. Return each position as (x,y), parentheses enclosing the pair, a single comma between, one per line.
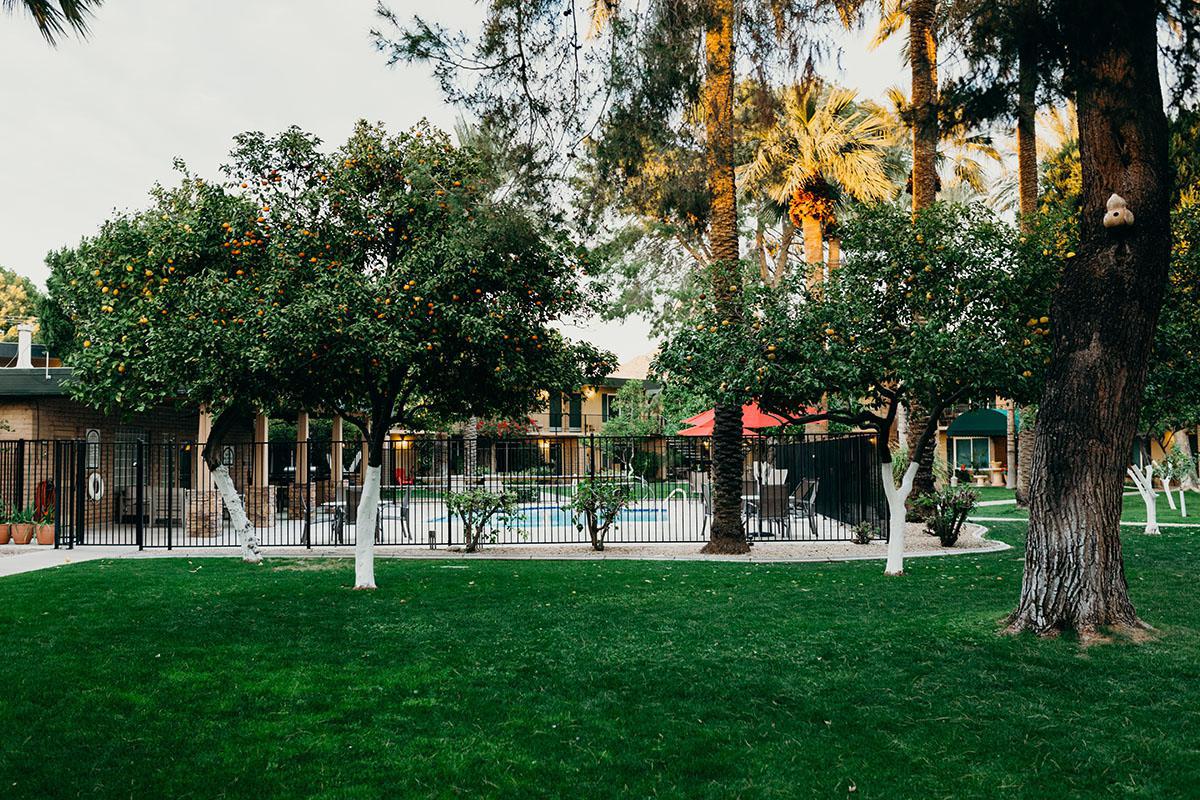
(1134,510)
(206,678)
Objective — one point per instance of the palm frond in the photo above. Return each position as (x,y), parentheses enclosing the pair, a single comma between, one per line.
(55,19)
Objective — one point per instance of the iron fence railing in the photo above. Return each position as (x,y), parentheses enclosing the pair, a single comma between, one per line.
(160,494)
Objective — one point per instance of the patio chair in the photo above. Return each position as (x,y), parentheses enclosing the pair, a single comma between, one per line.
(749,497)
(773,509)
(803,502)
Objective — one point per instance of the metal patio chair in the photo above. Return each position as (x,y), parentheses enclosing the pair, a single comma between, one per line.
(803,502)
(773,509)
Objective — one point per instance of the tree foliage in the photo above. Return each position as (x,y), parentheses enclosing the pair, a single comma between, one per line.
(422,297)
(951,307)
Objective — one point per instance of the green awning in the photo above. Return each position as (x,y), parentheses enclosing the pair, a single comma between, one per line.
(980,422)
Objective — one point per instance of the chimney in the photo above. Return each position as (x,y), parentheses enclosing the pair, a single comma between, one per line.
(24,346)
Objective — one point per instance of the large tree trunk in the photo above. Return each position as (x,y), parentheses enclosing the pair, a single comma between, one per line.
(1025,439)
(922,54)
(727,533)
(234,504)
(1104,314)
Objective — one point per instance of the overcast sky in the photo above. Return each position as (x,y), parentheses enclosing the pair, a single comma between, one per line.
(88,127)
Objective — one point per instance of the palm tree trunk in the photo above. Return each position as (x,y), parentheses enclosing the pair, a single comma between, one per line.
(922,54)
(1027,166)
(727,534)
(814,255)
(1105,309)
(1027,197)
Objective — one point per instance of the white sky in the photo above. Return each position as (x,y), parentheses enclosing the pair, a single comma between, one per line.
(88,127)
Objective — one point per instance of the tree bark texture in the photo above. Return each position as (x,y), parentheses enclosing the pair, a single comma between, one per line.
(727,534)
(814,255)
(1103,313)
(922,54)
(1025,440)
(1027,165)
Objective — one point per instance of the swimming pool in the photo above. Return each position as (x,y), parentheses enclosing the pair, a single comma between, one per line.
(559,517)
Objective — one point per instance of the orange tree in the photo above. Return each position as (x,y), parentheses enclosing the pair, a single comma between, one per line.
(172,305)
(947,308)
(413,295)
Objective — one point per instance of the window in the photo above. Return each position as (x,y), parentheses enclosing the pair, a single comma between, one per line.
(556,412)
(608,409)
(575,412)
(973,452)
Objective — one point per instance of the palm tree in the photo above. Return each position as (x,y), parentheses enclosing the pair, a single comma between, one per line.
(824,147)
(55,19)
(727,533)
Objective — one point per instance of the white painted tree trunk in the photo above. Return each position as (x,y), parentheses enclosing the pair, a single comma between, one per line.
(237,515)
(1145,486)
(1167,490)
(364,531)
(902,426)
(1182,502)
(896,498)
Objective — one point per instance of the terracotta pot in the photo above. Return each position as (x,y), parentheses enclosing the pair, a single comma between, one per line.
(4,534)
(22,533)
(45,534)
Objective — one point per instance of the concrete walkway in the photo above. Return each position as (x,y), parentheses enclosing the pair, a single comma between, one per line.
(972,541)
(15,559)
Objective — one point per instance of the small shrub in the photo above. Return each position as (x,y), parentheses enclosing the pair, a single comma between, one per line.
(597,504)
(947,510)
(863,533)
(476,508)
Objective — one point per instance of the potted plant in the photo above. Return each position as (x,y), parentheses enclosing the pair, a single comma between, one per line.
(21,523)
(5,533)
(44,527)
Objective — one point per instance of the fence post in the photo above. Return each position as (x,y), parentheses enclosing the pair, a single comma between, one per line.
(592,455)
(19,477)
(449,489)
(308,493)
(171,451)
(139,493)
(80,492)
(58,484)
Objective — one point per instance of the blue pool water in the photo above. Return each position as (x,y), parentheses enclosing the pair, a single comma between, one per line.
(556,517)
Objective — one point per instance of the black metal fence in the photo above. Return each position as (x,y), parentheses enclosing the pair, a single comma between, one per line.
(162,495)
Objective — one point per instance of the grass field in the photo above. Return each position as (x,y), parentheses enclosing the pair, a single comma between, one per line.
(1134,509)
(209,678)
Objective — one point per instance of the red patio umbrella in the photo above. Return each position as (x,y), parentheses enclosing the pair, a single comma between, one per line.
(753,418)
